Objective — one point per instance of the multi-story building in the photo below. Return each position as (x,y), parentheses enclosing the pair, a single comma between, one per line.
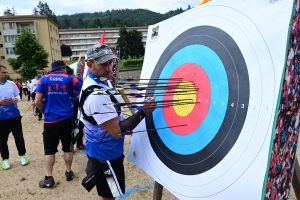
(80,39)
(42,27)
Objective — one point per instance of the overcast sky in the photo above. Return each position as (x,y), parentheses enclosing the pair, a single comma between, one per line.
(59,7)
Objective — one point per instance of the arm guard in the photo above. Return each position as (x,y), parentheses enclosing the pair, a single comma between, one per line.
(130,123)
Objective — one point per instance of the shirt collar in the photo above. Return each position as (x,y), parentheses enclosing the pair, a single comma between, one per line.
(3,82)
(57,73)
(96,79)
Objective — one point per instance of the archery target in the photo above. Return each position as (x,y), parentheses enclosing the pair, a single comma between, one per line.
(205,143)
(222,145)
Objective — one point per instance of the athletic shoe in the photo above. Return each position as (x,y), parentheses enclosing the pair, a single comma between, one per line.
(24,160)
(32,111)
(69,175)
(47,183)
(39,119)
(81,147)
(5,164)
(35,114)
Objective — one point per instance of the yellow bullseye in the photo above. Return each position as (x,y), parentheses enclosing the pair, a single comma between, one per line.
(184,110)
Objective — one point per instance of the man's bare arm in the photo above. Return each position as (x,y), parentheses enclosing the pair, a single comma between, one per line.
(39,101)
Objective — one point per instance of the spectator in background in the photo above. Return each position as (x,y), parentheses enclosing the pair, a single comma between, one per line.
(75,101)
(24,88)
(33,86)
(10,119)
(29,89)
(57,88)
(18,84)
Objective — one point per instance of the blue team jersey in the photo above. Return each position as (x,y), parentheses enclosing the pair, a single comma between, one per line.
(57,89)
(99,143)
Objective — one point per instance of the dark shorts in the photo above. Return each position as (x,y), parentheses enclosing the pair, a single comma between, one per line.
(33,96)
(58,131)
(110,173)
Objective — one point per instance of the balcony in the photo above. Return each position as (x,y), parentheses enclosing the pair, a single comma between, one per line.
(19,30)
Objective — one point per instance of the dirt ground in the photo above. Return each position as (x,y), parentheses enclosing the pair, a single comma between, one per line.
(21,182)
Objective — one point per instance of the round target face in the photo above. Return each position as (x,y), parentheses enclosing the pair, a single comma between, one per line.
(218,135)
(217,72)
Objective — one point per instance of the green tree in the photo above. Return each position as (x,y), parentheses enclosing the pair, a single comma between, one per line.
(44,9)
(10,11)
(80,23)
(136,46)
(35,11)
(96,22)
(31,55)
(122,43)
(130,43)
(66,23)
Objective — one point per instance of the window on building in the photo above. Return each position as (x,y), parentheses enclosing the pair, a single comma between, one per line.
(57,43)
(52,40)
(109,40)
(109,34)
(50,28)
(81,35)
(53,52)
(0,33)
(10,38)
(12,25)
(73,35)
(89,41)
(10,50)
(88,35)
(82,47)
(82,41)
(116,34)
(56,31)
(2,58)
(9,26)
(96,34)
(1,45)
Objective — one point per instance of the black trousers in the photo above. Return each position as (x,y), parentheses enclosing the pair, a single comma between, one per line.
(29,96)
(20,94)
(40,114)
(13,125)
(25,90)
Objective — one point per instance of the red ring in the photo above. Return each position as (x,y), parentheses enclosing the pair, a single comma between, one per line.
(193,73)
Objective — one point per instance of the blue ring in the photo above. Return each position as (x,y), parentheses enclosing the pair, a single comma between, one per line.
(214,68)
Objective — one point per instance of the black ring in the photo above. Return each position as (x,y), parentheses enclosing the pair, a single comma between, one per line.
(239,92)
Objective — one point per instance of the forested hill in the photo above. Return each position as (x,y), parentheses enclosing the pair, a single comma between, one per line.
(115,18)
